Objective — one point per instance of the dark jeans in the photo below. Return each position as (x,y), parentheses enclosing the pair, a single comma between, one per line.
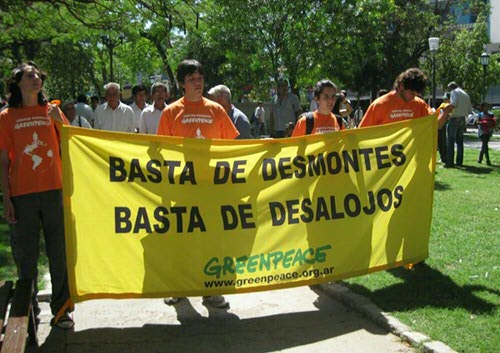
(455,134)
(442,143)
(485,138)
(45,210)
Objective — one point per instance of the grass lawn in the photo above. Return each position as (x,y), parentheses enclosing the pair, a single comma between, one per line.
(453,296)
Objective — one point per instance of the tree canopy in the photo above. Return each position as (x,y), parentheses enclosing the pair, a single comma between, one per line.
(361,45)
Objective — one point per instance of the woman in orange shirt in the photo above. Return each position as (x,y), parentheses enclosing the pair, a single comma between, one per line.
(32,185)
(322,120)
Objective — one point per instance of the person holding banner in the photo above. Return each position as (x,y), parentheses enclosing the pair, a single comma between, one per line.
(402,103)
(30,137)
(322,120)
(194,116)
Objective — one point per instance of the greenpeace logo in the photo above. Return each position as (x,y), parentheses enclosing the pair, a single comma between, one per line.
(401,114)
(197,119)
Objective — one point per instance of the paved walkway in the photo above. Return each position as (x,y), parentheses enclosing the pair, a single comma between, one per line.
(289,320)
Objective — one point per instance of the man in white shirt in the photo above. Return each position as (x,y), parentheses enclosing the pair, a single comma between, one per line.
(285,108)
(150,116)
(69,110)
(83,109)
(114,115)
(460,102)
(140,94)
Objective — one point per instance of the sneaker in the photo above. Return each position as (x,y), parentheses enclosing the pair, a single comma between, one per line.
(488,163)
(65,322)
(172,300)
(217,301)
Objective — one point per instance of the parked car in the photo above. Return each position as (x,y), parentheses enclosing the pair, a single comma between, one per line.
(472,119)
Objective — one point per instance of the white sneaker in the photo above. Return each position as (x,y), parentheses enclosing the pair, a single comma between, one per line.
(217,301)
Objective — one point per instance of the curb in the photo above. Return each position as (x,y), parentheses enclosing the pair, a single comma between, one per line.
(365,307)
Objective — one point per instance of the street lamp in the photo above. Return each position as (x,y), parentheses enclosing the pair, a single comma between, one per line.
(433,47)
(485,60)
(111,43)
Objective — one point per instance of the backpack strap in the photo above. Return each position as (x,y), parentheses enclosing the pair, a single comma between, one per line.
(309,122)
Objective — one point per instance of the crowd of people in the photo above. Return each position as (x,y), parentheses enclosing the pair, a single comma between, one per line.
(30,140)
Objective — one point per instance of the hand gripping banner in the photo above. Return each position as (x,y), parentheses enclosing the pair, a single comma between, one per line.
(154,216)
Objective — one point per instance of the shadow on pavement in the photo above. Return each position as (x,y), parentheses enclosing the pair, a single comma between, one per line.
(221,331)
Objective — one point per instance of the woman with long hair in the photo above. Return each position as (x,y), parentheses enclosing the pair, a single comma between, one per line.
(32,185)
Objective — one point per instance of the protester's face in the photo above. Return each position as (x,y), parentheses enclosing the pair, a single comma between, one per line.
(407,94)
(193,86)
(326,100)
(140,98)
(112,96)
(282,89)
(70,112)
(31,81)
(160,95)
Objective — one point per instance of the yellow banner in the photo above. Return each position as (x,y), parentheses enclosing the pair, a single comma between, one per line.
(154,216)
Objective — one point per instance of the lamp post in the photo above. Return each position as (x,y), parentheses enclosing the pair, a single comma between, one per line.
(485,60)
(433,47)
(111,43)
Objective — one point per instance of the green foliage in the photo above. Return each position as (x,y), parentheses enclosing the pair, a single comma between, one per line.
(360,45)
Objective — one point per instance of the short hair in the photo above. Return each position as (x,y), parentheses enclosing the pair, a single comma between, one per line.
(81,98)
(188,67)
(155,86)
(446,95)
(452,85)
(112,84)
(138,88)
(413,79)
(220,91)
(382,92)
(16,96)
(65,104)
(282,82)
(321,85)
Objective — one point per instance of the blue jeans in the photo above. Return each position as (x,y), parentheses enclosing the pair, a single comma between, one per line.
(455,134)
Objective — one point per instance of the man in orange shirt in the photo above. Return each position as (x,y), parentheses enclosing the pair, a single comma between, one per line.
(193,115)
(196,117)
(402,103)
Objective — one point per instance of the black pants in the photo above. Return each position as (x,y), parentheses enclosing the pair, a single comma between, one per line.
(442,143)
(485,138)
(34,211)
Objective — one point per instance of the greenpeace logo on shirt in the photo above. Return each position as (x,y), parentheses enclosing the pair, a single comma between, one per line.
(401,113)
(325,130)
(32,122)
(197,119)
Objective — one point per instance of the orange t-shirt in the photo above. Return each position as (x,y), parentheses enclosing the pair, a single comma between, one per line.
(391,108)
(204,119)
(323,124)
(30,136)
